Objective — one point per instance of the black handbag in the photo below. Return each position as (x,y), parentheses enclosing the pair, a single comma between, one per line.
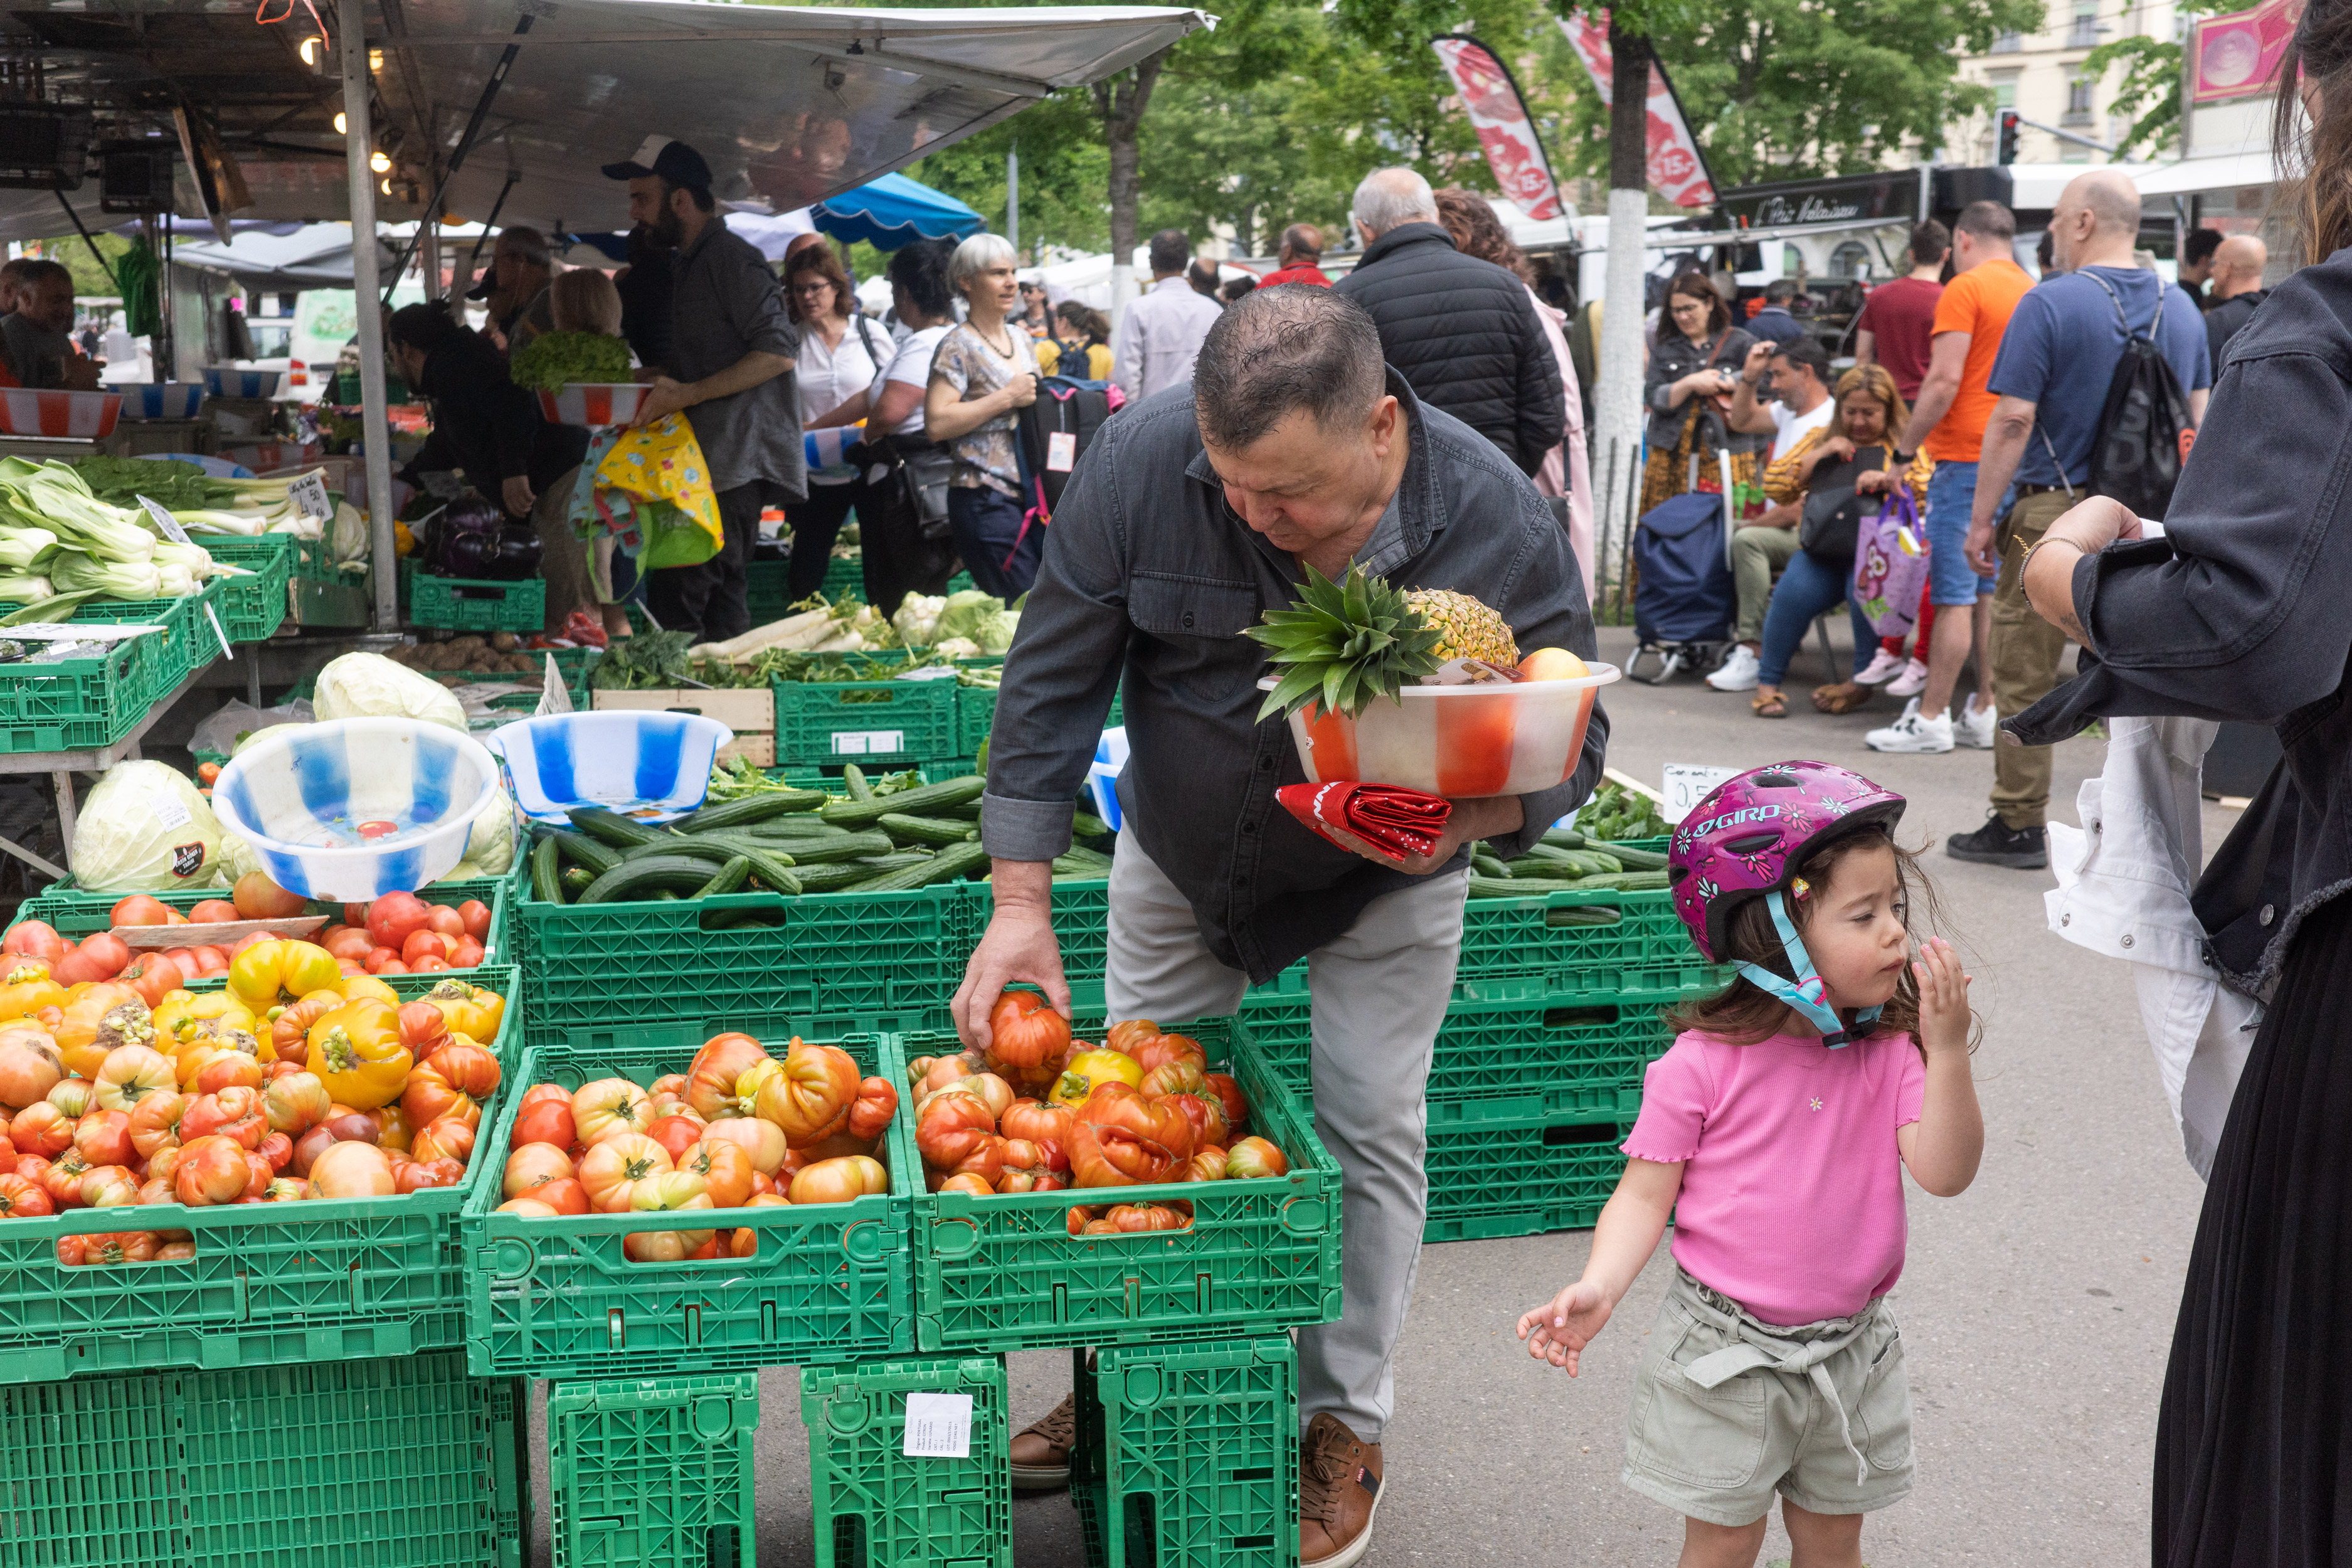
(1831,528)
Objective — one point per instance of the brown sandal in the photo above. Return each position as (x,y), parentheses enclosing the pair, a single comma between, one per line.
(1769,703)
(1842,697)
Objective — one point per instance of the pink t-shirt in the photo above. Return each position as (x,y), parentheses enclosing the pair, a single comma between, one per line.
(1792,1186)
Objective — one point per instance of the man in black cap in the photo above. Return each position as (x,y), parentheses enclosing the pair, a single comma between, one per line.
(730,371)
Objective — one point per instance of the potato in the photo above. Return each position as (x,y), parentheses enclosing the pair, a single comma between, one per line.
(504,642)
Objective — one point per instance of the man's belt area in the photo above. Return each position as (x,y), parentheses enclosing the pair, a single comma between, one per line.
(2025,490)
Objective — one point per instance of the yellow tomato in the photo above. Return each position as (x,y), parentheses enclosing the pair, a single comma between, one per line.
(1089,1070)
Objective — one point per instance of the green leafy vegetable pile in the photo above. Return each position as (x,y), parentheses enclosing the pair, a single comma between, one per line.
(552,360)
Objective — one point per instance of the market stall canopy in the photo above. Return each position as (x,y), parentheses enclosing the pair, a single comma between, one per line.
(895,211)
(2195,176)
(789,105)
(314,255)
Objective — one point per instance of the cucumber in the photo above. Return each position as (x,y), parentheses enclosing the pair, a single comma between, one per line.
(969,811)
(583,850)
(611,826)
(576,879)
(799,824)
(546,881)
(832,878)
(853,782)
(695,848)
(923,830)
(1087,824)
(752,808)
(1564,838)
(846,847)
(639,878)
(942,866)
(1637,860)
(921,802)
(731,879)
(1484,865)
(769,863)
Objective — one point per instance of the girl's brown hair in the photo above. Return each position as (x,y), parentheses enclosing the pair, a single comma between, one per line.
(584,300)
(1469,218)
(1692,284)
(1743,1012)
(2318,152)
(1872,381)
(820,260)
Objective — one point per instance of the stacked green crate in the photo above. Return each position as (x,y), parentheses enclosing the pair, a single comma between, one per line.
(886,1484)
(653,1472)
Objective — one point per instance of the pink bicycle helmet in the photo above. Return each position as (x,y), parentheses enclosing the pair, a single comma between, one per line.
(1745,840)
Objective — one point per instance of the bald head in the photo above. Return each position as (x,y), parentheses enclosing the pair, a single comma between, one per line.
(2097,220)
(1390,198)
(2238,264)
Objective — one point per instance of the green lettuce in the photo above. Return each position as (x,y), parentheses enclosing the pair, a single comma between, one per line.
(552,360)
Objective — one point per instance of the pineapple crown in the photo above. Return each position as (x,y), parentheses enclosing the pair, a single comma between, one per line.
(1343,644)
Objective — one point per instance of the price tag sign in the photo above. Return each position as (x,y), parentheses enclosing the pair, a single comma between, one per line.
(441,485)
(309,497)
(938,1426)
(165,523)
(221,632)
(868,742)
(1686,784)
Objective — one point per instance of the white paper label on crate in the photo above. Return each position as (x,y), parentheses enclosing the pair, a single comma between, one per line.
(165,523)
(1061,452)
(221,632)
(308,494)
(868,742)
(1685,785)
(171,813)
(938,1426)
(57,631)
(554,697)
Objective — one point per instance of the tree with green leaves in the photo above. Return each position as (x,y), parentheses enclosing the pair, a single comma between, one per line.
(2150,88)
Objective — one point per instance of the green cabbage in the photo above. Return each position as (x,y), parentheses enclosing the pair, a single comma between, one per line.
(144,829)
(559,359)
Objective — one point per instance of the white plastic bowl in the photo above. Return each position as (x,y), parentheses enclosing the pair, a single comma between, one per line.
(649,764)
(299,798)
(161,400)
(1460,741)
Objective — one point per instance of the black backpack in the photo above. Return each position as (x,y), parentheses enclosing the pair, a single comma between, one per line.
(1069,407)
(2145,430)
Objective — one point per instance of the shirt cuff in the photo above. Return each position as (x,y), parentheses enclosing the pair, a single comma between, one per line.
(1025,829)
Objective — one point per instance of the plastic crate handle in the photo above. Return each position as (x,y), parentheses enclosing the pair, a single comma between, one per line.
(1304,1216)
(863,1243)
(954,1238)
(849,1412)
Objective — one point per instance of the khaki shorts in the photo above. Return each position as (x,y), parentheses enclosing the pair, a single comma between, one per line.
(1719,1453)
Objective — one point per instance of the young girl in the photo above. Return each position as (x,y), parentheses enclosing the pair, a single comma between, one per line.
(1774,1132)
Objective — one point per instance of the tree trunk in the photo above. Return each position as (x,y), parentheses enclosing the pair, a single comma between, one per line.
(1120,102)
(1617,397)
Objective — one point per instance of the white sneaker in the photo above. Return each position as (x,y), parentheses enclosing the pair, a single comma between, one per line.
(1911,682)
(1738,671)
(1976,726)
(1915,731)
(1884,667)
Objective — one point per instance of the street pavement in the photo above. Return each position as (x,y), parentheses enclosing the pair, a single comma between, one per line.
(2036,1308)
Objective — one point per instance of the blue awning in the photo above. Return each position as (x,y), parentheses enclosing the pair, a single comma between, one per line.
(895,211)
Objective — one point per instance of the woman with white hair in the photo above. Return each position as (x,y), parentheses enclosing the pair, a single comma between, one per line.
(982,373)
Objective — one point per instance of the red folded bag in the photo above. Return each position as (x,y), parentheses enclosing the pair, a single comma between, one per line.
(1395,821)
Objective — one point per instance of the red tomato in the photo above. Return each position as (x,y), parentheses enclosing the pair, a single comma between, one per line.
(247,940)
(100,957)
(210,911)
(446,920)
(212,959)
(428,965)
(393,967)
(422,941)
(377,958)
(152,976)
(259,899)
(37,939)
(141,910)
(468,954)
(355,914)
(173,917)
(350,942)
(547,1122)
(477,916)
(186,957)
(349,966)
(393,917)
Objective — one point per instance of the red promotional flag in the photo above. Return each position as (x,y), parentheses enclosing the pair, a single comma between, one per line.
(1500,117)
(1676,167)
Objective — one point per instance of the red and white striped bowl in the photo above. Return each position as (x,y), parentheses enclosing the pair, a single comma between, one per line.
(1460,741)
(594,404)
(84,416)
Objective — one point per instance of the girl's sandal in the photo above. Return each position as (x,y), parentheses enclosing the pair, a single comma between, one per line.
(1842,697)
(1767,703)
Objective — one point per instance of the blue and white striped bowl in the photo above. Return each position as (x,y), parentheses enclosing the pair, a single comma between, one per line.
(227,381)
(650,765)
(170,400)
(297,799)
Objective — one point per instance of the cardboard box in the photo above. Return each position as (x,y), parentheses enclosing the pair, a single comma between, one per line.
(750,712)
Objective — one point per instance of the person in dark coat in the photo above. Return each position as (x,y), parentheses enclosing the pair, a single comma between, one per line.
(2237,289)
(2237,613)
(1462,332)
(483,424)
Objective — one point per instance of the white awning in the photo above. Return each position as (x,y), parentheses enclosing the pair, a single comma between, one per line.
(2193,176)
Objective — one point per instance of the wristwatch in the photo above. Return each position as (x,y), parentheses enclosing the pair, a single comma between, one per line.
(1903,459)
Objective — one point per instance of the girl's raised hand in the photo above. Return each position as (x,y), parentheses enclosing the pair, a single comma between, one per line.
(1943,997)
(1559,1330)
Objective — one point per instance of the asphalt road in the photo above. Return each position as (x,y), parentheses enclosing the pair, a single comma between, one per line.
(2037,1306)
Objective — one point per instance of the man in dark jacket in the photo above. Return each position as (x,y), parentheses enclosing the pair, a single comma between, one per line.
(2237,289)
(1462,332)
(482,422)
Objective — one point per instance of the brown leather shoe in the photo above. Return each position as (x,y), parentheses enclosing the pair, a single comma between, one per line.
(1339,1492)
(1041,1452)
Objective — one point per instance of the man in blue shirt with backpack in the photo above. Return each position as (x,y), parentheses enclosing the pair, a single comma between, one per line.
(2051,433)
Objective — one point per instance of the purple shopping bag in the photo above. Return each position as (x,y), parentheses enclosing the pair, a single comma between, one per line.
(1890,566)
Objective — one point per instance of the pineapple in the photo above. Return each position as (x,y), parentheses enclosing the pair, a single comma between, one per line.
(1344,644)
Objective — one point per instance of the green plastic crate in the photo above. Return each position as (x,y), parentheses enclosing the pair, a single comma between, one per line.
(74,704)
(874,723)
(872,1503)
(557,1298)
(253,608)
(390,1463)
(573,667)
(308,1282)
(1512,947)
(1188,1455)
(510,1446)
(767,591)
(1541,1175)
(1003,1273)
(653,1472)
(472,605)
(976,713)
(891,959)
(844,574)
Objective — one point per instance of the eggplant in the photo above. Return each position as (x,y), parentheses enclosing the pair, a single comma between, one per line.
(518,557)
(472,555)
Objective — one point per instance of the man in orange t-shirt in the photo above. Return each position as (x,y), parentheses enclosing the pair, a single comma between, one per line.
(1948,423)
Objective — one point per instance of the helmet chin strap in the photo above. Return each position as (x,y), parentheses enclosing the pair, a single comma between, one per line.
(1807,996)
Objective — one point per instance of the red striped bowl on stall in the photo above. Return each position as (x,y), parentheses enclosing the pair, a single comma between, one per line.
(594,404)
(1460,741)
(83,416)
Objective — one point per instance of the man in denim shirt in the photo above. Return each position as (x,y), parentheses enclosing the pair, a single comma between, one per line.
(1192,515)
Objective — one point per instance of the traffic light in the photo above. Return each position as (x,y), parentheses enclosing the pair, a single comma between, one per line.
(2008,145)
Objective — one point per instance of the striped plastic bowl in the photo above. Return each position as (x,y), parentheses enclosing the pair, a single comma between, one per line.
(650,765)
(299,799)
(170,400)
(228,381)
(594,404)
(83,416)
